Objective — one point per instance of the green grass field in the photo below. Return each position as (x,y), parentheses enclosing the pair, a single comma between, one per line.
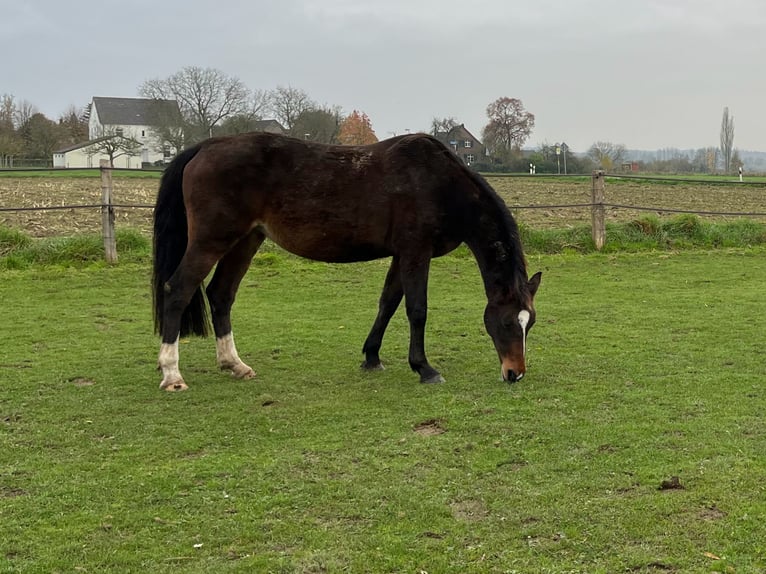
(635,443)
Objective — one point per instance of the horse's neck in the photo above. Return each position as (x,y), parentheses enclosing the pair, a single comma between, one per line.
(500,259)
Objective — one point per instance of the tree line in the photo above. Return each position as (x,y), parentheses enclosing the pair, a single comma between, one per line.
(27,133)
(213,103)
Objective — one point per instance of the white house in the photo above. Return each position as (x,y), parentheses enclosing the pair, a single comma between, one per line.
(82,155)
(134,118)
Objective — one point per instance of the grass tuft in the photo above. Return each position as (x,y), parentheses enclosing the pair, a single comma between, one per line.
(12,240)
(19,251)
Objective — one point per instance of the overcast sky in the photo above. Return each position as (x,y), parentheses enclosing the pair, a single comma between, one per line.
(650,74)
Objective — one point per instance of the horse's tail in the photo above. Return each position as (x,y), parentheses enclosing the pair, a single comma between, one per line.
(170,238)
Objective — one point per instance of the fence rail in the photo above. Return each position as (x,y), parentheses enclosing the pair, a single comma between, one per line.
(597,204)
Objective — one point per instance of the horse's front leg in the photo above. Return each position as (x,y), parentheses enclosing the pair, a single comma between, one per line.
(414,276)
(168,364)
(389,302)
(221,293)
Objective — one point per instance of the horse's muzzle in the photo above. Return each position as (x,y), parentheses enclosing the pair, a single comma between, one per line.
(511,371)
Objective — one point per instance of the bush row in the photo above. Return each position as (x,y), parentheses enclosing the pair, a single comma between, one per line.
(19,251)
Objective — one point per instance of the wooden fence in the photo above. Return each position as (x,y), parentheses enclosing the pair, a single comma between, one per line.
(597,205)
(107,212)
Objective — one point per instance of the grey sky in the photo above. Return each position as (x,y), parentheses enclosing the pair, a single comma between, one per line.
(647,74)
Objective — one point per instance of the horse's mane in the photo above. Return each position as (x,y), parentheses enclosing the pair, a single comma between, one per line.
(509,230)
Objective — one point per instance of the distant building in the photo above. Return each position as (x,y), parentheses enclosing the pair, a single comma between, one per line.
(137,118)
(630,166)
(269,126)
(80,155)
(464,144)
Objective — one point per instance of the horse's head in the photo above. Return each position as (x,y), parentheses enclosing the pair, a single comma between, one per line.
(508,323)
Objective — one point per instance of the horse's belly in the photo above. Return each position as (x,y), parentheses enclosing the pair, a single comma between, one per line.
(323,245)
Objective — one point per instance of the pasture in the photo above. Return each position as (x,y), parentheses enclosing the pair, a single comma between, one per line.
(634,444)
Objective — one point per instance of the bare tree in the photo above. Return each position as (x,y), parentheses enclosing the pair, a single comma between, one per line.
(73,128)
(258,104)
(111,143)
(288,103)
(509,126)
(727,139)
(23,112)
(11,144)
(705,160)
(245,121)
(7,111)
(442,125)
(606,155)
(206,97)
(168,127)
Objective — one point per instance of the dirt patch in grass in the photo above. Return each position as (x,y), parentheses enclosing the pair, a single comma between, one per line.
(469,510)
(82,382)
(672,483)
(430,428)
(11,492)
(712,513)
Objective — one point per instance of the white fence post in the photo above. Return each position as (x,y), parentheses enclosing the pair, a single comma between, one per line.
(597,210)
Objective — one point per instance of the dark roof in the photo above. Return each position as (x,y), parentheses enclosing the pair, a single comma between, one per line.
(82,144)
(454,132)
(134,111)
(272,126)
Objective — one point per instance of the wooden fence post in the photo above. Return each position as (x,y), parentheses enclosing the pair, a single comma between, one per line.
(597,210)
(107,212)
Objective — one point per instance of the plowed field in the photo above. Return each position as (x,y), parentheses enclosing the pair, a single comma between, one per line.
(529,199)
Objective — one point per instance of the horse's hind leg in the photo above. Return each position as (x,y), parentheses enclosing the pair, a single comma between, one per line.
(389,302)
(179,290)
(221,293)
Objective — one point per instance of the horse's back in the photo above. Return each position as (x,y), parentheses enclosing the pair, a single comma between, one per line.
(326,202)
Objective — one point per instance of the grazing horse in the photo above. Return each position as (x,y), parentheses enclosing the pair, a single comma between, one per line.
(408,198)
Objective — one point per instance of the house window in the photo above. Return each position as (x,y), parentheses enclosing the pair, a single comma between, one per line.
(469,158)
(468,143)
(118,131)
(143,133)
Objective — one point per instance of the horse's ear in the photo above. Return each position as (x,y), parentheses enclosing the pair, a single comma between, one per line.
(500,251)
(534,283)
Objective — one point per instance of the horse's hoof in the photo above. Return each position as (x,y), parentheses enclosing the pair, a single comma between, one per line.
(373,366)
(433,379)
(243,372)
(173,386)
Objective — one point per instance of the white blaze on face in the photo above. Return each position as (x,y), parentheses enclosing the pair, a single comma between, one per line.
(524,321)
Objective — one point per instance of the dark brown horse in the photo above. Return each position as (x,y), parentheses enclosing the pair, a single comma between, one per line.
(408,198)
